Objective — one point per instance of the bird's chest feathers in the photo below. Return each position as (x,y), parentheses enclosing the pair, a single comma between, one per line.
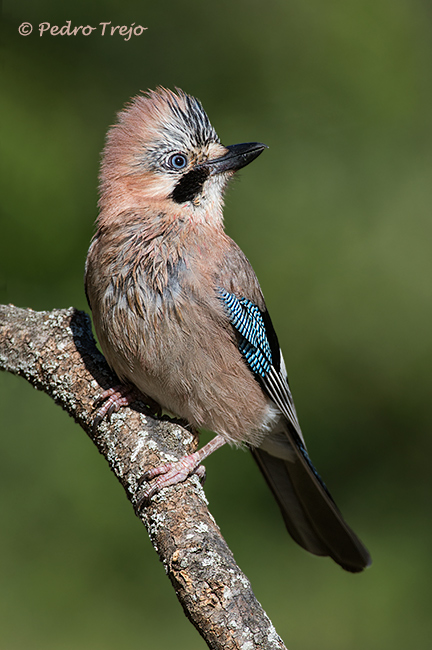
(155,274)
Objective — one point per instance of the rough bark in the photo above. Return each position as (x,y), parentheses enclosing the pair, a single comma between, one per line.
(55,351)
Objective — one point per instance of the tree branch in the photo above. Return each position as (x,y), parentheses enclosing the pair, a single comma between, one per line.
(55,351)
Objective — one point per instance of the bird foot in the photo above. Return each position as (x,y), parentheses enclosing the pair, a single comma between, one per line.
(177,472)
(113,399)
(170,474)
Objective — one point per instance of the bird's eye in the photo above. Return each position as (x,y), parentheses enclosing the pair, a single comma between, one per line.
(177,161)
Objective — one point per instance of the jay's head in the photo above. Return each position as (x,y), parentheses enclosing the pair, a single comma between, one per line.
(163,153)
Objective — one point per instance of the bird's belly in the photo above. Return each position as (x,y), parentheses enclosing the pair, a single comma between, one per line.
(189,365)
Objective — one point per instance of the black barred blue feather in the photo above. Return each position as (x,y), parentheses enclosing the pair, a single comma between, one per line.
(246,318)
(260,349)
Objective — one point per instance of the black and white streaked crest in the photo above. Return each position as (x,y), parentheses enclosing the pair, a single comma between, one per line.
(185,127)
(191,120)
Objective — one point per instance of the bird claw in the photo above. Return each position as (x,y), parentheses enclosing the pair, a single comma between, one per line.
(201,473)
(173,473)
(168,474)
(113,399)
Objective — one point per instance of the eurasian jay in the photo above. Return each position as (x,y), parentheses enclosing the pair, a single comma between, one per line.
(180,315)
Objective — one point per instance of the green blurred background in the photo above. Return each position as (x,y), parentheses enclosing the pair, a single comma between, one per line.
(335,218)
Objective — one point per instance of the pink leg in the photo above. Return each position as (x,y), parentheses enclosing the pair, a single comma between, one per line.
(114,398)
(177,472)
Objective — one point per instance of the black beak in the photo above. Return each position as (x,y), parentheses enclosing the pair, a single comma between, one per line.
(237,156)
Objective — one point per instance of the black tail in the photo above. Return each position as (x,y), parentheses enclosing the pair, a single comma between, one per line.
(310,514)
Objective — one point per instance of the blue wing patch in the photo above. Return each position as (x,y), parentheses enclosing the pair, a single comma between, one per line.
(260,348)
(256,348)
(246,318)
